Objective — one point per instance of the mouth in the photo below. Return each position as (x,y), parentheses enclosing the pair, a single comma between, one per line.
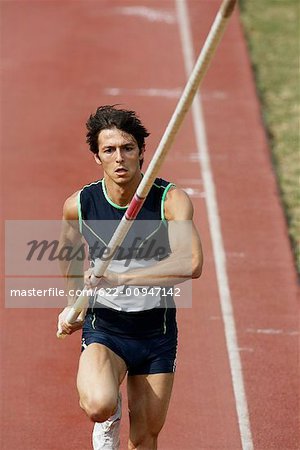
(121,171)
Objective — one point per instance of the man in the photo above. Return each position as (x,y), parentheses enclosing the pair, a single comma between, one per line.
(130,327)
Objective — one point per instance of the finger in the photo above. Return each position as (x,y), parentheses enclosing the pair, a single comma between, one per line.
(60,335)
(66,328)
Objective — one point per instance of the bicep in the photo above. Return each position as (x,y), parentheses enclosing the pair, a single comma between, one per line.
(183,234)
(184,237)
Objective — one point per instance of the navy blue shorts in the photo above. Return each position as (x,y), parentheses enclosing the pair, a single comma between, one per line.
(142,355)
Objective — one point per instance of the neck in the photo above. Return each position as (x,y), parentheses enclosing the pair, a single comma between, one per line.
(122,194)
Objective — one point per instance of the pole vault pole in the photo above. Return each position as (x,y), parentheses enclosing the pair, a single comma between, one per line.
(183,105)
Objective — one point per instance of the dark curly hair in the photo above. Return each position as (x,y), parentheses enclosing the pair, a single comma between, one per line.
(107,117)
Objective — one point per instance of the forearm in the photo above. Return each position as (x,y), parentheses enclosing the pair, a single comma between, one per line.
(72,287)
(72,272)
(72,254)
(168,272)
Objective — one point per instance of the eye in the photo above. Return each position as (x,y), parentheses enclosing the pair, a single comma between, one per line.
(128,148)
(108,150)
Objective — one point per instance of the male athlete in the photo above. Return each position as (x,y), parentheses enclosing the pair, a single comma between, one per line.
(130,325)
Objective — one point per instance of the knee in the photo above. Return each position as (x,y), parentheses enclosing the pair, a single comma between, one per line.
(98,409)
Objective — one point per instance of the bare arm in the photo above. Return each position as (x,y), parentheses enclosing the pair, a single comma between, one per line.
(71,268)
(185,260)
(71,239)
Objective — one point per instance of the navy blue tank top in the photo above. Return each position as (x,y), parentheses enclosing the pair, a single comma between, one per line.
(99,218)
(146,242)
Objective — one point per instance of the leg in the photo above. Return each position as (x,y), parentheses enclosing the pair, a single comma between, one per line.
(99,376)
(148,401)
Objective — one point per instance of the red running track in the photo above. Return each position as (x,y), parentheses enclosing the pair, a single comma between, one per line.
(60,60)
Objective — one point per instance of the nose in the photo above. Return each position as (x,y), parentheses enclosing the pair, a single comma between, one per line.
(119,155)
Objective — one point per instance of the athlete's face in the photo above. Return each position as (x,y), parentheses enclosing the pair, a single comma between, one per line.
(119,155)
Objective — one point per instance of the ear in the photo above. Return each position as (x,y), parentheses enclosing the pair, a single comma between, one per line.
(97,159)
(142,151)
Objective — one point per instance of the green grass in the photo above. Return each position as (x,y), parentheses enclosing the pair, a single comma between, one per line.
(272,31)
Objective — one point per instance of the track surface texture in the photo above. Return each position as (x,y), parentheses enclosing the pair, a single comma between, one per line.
(236,384)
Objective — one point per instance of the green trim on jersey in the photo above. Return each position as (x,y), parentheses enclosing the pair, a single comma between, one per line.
(79,212)
(162,212)
(108,199)
(95,234)
(167,188)
(91,184)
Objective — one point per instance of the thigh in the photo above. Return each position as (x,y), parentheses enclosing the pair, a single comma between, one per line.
(148,401)
(100,373)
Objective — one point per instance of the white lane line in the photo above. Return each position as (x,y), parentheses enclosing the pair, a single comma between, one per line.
(150,14)
(193,187)
(190,181)
(196,193)
(216,237)
(144,92)
(272,331)
(159,92)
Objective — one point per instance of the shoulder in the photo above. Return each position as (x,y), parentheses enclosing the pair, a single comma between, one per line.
(178,205)
(70,209)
